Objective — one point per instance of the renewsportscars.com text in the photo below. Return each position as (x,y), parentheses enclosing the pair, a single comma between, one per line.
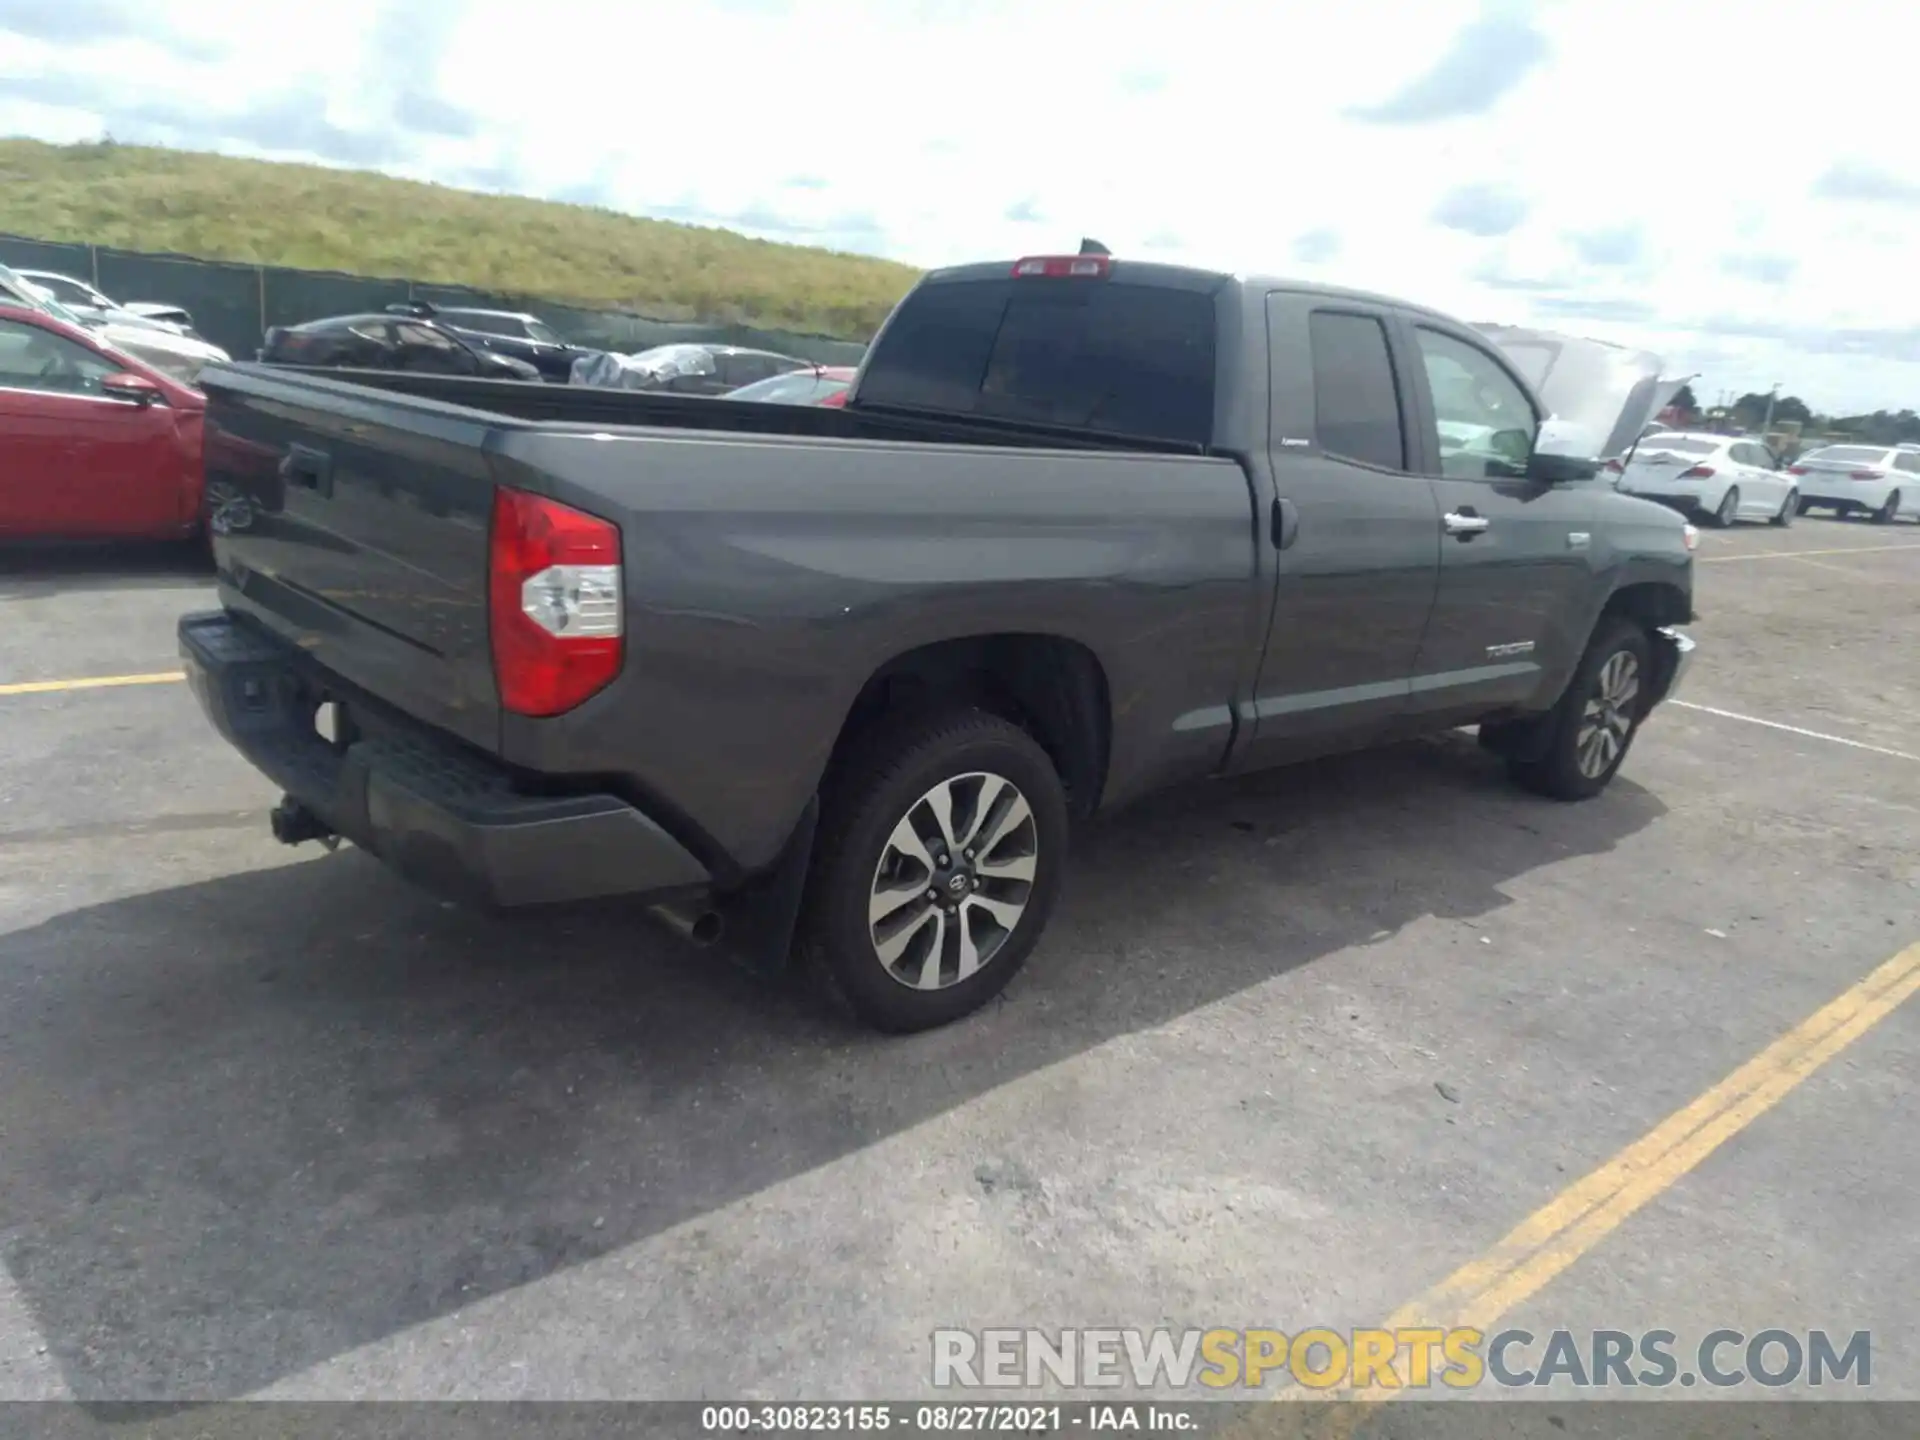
(1412,1358)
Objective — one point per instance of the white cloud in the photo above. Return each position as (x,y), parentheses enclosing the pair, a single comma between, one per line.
(1669,183)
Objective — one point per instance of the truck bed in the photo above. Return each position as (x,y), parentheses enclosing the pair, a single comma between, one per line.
(602,406)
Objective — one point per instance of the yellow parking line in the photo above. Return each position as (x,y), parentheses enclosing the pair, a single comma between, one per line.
(1796,554)
(97,682)
(1585,1213)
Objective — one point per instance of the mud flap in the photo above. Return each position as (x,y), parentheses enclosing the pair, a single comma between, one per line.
(760,917)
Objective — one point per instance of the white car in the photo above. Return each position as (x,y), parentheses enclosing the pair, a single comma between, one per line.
(1722,478)
(181,356)
(1881,480)
(86,301)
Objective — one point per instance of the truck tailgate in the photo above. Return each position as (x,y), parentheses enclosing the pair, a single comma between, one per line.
(354,524)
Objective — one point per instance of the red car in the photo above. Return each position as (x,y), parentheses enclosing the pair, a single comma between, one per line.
(822,385)
(98,445)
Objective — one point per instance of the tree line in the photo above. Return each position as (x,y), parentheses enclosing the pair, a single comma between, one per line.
(1749,412)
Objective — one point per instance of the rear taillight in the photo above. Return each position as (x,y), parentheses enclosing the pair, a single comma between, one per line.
(1867,475)
(1063,267)
(1615,467)
(1698,472)
(554,603)
(1796,470)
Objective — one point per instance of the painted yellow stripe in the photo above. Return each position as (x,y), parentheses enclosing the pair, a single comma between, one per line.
(97,682)
(1585,1213)
(1797,554)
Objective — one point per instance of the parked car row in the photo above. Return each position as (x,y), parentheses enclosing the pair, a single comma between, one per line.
(89,303)
(100,414)
(1722,479)
(166,347)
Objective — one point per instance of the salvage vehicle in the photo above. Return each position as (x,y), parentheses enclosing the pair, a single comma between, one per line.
(180,356)
(88,302)
(95,444)
(1719,478)
(685,368)
(505,332)
(836,682)
(388,342)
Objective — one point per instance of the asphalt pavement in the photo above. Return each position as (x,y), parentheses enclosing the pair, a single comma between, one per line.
(1295,1050)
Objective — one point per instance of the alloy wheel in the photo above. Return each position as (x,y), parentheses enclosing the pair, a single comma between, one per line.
(1607,719)
(953,881)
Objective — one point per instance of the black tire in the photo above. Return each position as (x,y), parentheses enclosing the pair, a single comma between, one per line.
(1888,512)
(1729,510)
(1558,771)
(879,790)
(1789,508)
(1805,505)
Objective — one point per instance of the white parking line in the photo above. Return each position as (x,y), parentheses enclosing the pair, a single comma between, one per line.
(1796,730)
(1796,554)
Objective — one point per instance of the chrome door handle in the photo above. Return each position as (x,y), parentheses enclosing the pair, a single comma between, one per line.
(1458,524)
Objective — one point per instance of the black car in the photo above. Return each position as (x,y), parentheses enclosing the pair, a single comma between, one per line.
(505,332)
(389,342)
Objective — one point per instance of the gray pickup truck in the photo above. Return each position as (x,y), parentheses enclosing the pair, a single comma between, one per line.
(835,683)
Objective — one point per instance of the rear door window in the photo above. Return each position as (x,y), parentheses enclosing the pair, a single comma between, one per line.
(1356,402)
(1084,354)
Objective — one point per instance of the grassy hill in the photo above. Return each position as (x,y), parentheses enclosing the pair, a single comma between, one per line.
(142,198)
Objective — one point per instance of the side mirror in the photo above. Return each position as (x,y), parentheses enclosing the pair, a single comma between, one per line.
(1562,454)
(136,389)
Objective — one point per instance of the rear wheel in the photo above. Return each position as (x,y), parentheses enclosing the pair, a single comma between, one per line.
(1804,505)
(939,858)
(1886,514)
(1729,507)
(1789,508)
(1589,732)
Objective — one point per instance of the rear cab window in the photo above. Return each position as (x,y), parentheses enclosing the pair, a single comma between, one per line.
(1098,354)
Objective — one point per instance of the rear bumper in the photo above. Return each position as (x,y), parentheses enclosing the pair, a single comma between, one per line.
(1675,650)
(1823,490)
(442,815)
(1687,502)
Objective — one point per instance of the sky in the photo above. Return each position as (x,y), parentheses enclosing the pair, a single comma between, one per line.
(1734,187)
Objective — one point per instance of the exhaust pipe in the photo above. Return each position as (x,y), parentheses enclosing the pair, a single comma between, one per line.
(293,823)
(696,923)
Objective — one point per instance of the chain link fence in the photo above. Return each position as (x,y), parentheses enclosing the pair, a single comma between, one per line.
(234,305)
